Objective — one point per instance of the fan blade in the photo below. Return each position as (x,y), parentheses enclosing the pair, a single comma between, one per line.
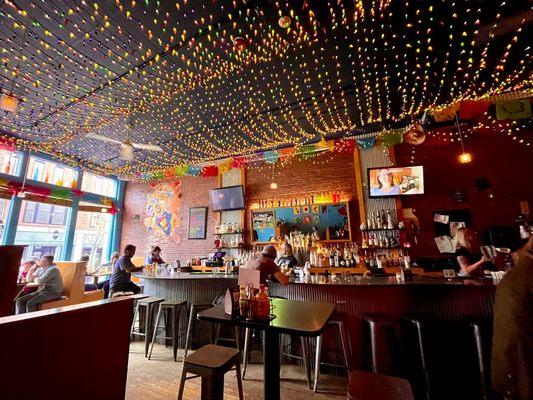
(102,138)
(149,147)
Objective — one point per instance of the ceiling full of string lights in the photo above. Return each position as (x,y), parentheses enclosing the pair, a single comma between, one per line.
(211,79)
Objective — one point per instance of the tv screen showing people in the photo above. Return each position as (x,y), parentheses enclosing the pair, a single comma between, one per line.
(396,181)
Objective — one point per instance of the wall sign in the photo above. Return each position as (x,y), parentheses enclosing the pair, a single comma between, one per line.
(197,222)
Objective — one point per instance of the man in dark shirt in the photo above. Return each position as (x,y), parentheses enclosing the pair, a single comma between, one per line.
(266,266)
(512,344)
(120,280)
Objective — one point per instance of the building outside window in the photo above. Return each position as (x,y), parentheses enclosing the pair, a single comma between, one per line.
(91,236)
(42,170)
(4,209)
(41,228)
(9,162)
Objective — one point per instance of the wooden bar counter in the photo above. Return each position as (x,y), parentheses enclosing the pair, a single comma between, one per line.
(354,297)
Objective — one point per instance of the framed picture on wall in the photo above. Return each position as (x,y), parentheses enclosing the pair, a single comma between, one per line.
(197,223)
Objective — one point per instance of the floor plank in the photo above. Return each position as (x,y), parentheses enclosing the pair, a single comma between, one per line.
(158,379)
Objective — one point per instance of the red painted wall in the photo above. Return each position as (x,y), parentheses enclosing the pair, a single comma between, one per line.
(194,193)
(507,165)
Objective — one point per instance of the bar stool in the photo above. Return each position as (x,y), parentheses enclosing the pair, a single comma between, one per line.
(174,307)
(345,345)
(148,304)
(364,385)
(482,331)
(211,362)
(386,346)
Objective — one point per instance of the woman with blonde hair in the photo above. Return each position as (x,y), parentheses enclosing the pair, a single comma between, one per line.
(469,256)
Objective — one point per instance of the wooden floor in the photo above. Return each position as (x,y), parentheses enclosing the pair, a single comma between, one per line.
(158,379)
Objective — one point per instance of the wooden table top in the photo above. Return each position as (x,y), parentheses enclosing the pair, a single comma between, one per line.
(303,318)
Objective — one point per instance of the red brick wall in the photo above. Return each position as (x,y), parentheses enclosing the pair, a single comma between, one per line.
(507,165)
(194,193)
(326,173)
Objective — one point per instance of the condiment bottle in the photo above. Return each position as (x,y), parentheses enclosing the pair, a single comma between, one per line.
(243,302)
(262,303)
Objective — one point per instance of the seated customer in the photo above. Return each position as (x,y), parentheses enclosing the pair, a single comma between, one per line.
(154,256)
(88,286)
(469,257)
(23,272)
(512,342)
(266,265)
(45,272)
(108,266)
(287,258)
(120,280)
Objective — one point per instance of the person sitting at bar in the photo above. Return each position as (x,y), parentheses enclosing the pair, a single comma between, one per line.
(154,256)
(386,186)
(107,266)
(469,257)
(512,341)
(45,273)
(120,280)
(88,286)
(287,258)
(266,266)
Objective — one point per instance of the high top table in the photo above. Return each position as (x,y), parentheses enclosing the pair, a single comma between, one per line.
(302,318)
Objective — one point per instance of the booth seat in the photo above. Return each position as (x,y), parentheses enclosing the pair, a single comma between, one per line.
(73,274)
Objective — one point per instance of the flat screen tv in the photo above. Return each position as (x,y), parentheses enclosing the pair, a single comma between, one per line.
(395,181)
(227,198)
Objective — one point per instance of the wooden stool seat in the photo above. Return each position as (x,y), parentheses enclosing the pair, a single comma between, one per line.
(364,385)
(211,362)
(214,357)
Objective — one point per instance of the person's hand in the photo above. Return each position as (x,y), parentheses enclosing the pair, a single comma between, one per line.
(484,259)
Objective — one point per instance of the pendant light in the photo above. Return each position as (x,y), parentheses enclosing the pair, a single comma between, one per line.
(465,157)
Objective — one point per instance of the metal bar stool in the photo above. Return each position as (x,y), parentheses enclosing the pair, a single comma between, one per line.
(482,331)
(211,363)
(148,304)
(174,307)
(345,345)
(386,346)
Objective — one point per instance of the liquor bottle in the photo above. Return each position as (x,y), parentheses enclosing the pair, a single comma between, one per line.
(390,224)
(368,222)
(383,220)
(331,258)
(386,242)
(370,240)
(364,243)
(336,258)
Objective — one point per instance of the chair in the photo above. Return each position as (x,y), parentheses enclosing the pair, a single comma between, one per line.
(148,304)
(73,275)
(386,346)
(211,362)
(174,307)
(364,385)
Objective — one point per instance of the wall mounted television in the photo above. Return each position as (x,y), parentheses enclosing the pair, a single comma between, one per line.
(395,181)
(227,198)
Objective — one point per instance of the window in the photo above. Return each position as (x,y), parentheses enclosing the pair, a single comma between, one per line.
(91,236)
(41,229)
(4,210)
(44,214)
(42,170)
(92,183)
(9,162)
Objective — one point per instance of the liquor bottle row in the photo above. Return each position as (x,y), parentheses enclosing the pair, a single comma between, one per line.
(382,220)
(380,239)
(227,227)
(335,256)
(382,258)
(317,198)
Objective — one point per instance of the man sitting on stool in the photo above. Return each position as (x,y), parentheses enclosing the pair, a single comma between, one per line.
(46,273)
(120,280)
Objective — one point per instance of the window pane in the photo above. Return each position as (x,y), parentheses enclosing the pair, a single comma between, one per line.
(4,210)
(50,172)
(9,162)
(41,231)
(91,236)
(92,183)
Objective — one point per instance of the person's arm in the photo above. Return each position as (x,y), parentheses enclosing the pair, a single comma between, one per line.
(469,268)
(48,275)
(31,272)
(131,268)
(281,278)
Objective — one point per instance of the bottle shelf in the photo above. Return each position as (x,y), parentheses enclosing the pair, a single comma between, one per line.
(228,233)
(229,247)
(381,247)
(382,229)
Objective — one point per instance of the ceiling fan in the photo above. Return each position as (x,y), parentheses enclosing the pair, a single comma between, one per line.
(126,147)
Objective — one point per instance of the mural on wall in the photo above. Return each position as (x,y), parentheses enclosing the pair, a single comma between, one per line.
(161,213)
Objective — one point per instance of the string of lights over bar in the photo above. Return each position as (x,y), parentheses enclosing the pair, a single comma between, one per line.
(206,80)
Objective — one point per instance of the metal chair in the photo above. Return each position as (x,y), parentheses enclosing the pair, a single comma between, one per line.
(174,307)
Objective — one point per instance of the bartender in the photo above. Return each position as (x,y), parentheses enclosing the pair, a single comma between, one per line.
(287,258)
(469,257)
(267,267)
(154,256)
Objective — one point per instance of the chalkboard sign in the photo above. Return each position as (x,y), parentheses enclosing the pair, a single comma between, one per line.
(197,222)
